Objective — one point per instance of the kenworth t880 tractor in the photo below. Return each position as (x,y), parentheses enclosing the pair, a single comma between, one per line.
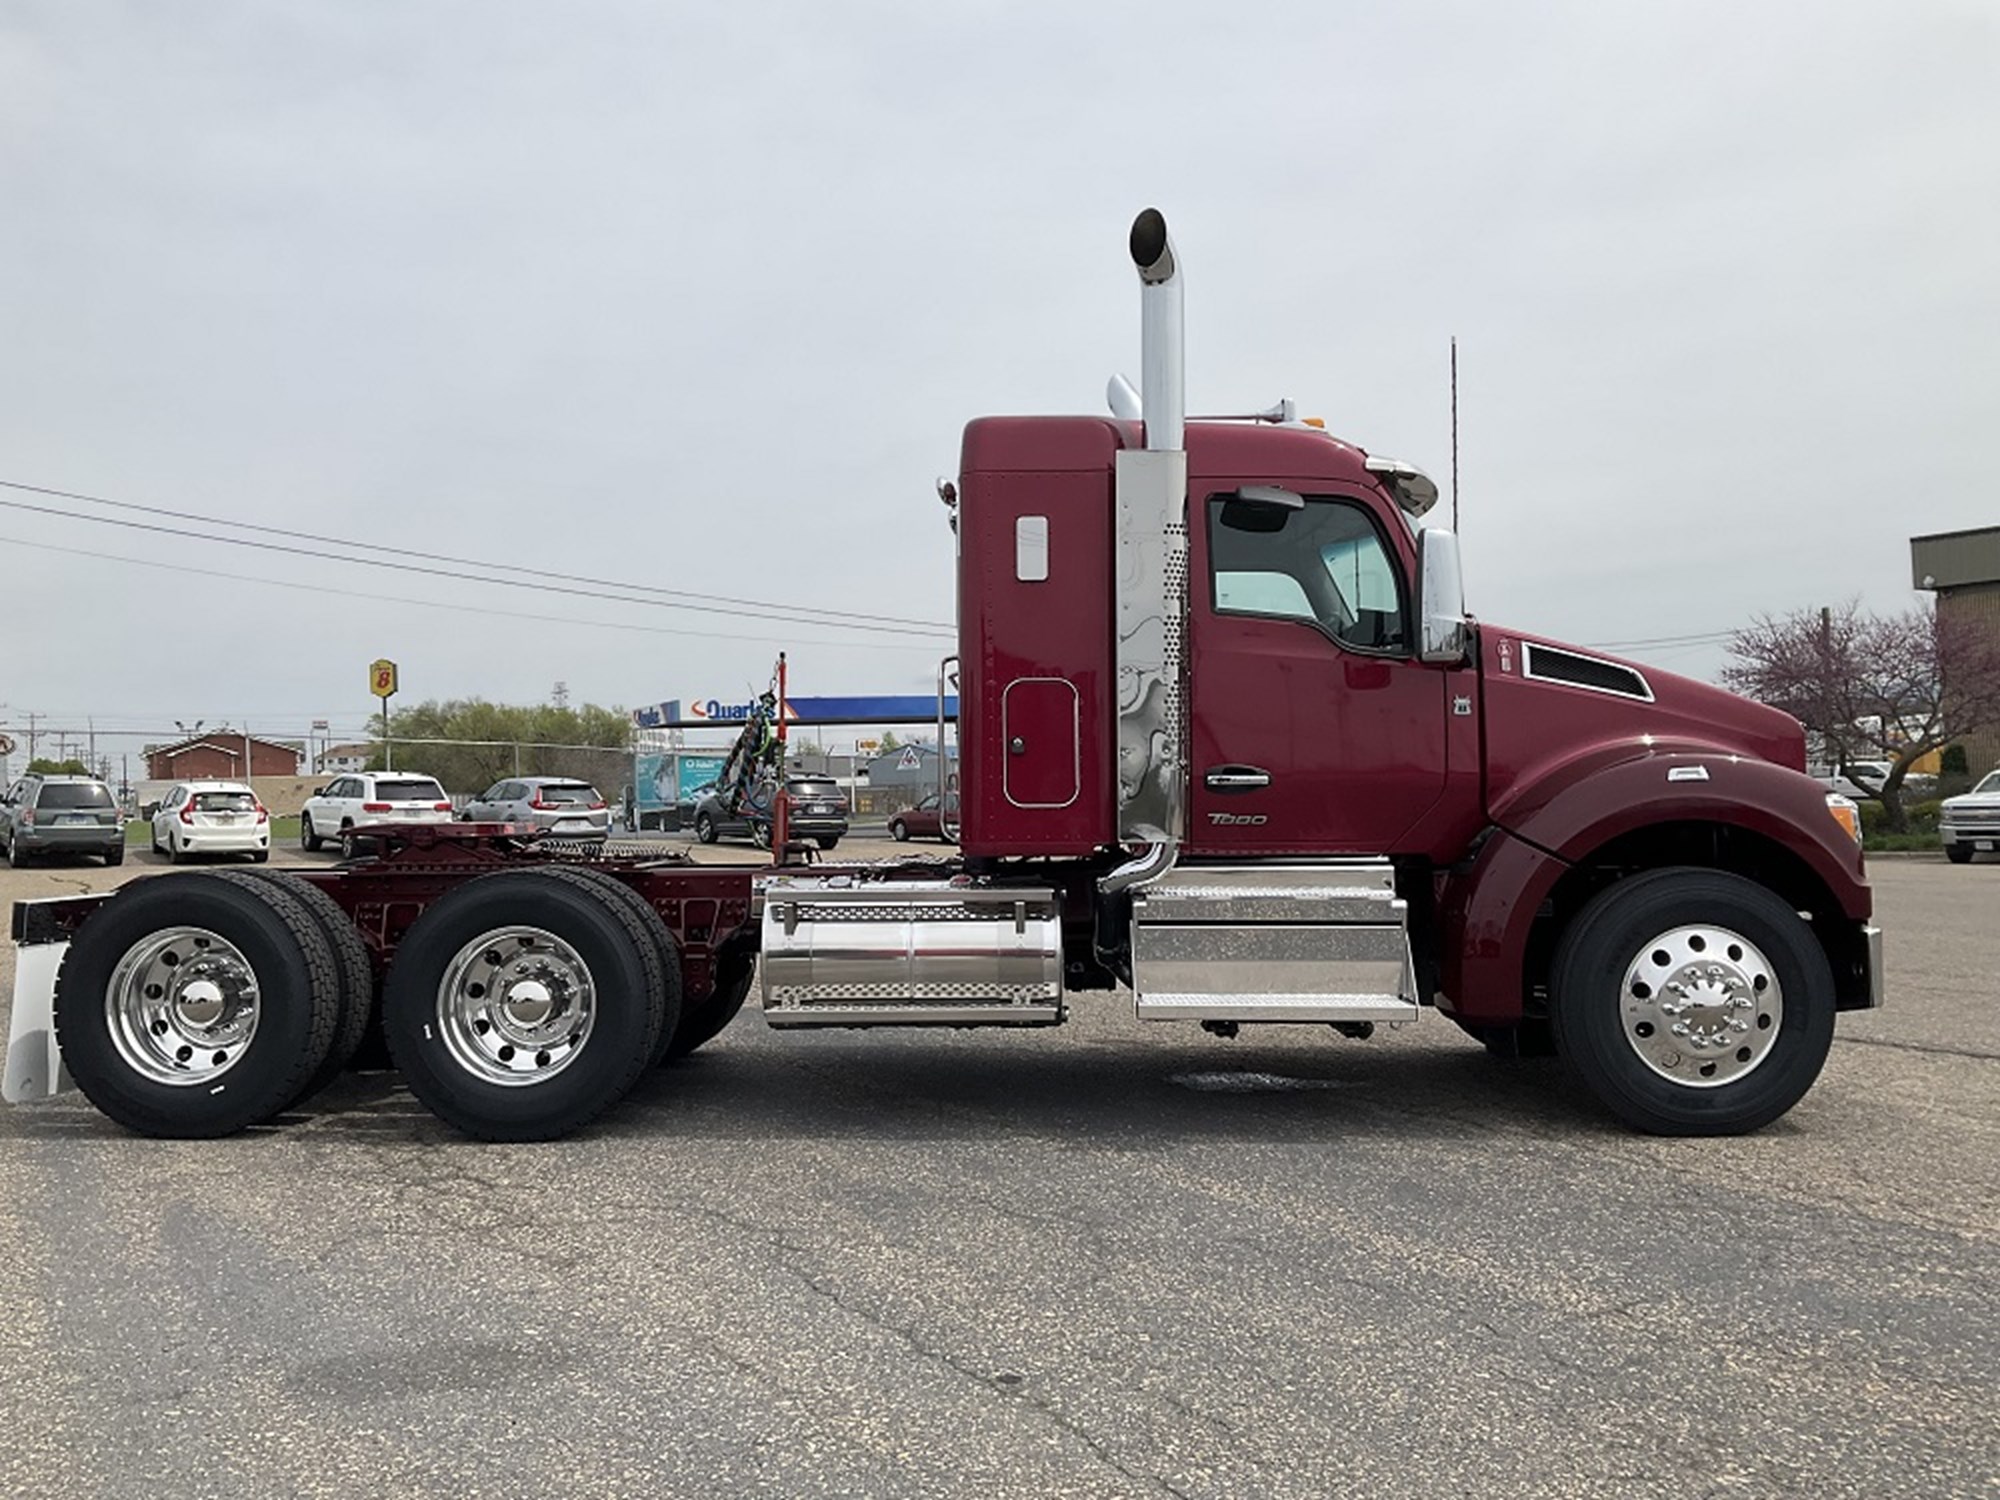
(1230,746)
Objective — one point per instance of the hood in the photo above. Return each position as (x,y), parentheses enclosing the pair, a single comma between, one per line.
(1557,711)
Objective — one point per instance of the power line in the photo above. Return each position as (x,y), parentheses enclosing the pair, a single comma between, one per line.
(513,583)
(502,567)
(470,609)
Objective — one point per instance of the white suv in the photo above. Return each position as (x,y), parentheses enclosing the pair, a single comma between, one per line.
(351,805)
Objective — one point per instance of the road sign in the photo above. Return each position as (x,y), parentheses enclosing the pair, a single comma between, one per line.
(6,744)
(382,678)
(910,760)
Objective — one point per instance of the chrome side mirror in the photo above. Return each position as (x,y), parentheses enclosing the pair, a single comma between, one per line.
(1440,599)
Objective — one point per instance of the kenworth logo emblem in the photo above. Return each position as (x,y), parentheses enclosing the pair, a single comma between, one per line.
(1237,820)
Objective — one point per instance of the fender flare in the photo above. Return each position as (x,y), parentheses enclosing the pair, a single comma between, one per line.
(1487,912)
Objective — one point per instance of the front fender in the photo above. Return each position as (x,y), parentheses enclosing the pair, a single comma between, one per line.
(1487,912)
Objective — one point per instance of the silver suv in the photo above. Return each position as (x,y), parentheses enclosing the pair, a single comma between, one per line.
(61,815)
(560,806)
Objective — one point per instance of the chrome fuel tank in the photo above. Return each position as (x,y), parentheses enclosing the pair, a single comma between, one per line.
(841,952)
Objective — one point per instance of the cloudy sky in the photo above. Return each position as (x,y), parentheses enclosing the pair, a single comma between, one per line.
(698,298)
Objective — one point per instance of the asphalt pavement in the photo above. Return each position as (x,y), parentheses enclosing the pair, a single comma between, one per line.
(1102,1260)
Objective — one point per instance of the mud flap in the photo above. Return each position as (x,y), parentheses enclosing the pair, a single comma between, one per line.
(34,1062)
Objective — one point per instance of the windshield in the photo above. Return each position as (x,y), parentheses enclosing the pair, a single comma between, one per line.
(414,790)
(75,794)
(1991,783)
(224,802)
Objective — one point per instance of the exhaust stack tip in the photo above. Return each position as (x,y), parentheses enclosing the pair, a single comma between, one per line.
(1152,250)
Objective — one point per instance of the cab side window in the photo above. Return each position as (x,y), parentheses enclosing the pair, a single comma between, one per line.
(1322,562)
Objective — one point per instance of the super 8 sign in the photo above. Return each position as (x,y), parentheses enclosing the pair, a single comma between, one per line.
(382,678)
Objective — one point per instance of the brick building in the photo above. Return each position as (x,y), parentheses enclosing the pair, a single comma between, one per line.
(218,755)
(1963,569)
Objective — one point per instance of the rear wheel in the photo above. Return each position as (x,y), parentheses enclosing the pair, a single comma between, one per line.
(523,1005)
(760,834)
(1958,854)
(1692,1002)
(175,853)
(350,953)
(827,840)
(17,857)
(667,951)
(195,1006)
(115,855)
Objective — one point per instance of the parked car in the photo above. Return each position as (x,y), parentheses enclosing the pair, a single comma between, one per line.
(211,817)
(557,805)
(1864,778)
(61,815)
(818,812)
(349,806)
(1969,823)
(924,821)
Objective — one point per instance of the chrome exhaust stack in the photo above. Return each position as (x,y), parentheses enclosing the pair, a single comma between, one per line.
(1152,576)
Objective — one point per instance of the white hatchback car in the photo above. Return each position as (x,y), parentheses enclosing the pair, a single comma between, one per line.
(211,817)
(351,805)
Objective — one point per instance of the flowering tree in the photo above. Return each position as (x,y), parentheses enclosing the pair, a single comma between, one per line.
(1875,687)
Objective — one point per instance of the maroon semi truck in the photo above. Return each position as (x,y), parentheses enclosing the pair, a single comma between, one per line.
(1230,743)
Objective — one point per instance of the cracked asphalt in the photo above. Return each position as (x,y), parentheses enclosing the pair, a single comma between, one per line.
(1103,1260)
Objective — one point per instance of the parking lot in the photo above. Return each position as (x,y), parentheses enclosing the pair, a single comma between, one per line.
(1102,1260)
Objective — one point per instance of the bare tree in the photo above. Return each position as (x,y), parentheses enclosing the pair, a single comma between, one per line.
(1877,687)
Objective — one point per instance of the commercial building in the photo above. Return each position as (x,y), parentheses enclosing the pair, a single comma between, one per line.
(1963,569)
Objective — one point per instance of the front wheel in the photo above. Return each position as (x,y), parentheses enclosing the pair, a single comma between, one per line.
(1958,854)
(704,828)
(1692,1002)
(899,831)
(308,840)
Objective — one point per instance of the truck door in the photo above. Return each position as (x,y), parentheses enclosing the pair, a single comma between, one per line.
(1315,730)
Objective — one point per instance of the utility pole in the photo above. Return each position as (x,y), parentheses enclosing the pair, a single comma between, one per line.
(31,739)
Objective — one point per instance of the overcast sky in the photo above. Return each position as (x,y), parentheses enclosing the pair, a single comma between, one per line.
(700,297)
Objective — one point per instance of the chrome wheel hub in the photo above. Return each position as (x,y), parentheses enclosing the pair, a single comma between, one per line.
(182,1006)
(516,1006)
(1701,1006)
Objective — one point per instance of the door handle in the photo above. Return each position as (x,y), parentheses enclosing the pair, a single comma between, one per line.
(1236,779)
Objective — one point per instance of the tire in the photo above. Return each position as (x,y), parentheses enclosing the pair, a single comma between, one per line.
(17,858)
(704,828)
(1958,854)
(260,857)
(899,831)
(350,954)
(308,840)
(673,1015)
(114,856)
(827,841)
(1762,1000)
(155,835)
(760,835)
(350,846)
(136,1059)
(176,855)
(705,1023)
(456,1044)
